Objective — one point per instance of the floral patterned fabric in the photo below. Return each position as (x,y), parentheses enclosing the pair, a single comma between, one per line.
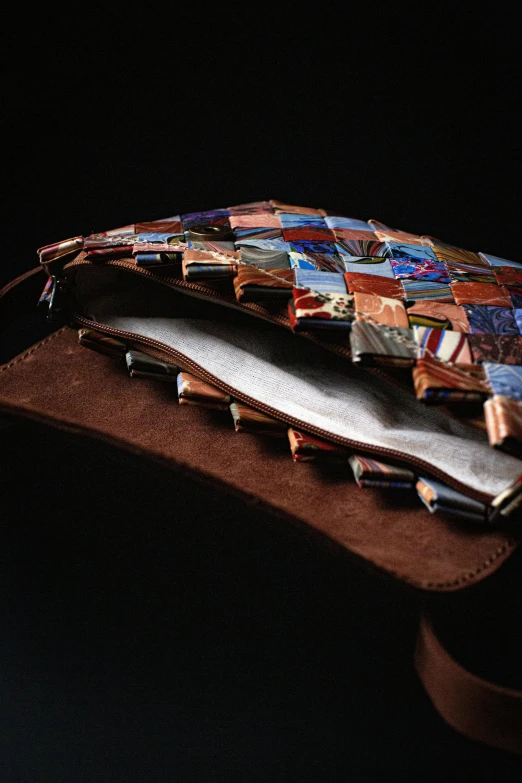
(321,309)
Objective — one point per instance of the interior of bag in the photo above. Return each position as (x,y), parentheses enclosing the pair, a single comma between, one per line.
(305,383)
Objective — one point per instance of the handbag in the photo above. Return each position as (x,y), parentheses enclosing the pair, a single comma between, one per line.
(257,278)
(251,359)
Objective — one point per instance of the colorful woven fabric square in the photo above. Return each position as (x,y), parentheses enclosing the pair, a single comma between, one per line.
(436,271)
(416,252)
(504,423)
(439,315)
(442,344)
(504,379)
(380,310)
(499,348)
(385,345)
(379,266)
(365,283)
(322,309)
(488,319)
(252,284)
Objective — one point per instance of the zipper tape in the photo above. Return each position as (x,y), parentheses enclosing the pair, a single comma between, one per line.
(168,352)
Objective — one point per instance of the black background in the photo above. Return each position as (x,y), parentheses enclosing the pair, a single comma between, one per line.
(408,119)
(115,118)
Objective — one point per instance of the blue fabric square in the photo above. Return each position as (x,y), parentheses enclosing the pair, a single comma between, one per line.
(322,282)
(505,379)
(418,252)
(489,319)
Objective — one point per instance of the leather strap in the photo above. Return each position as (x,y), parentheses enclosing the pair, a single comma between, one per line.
(479,709)
(21,295)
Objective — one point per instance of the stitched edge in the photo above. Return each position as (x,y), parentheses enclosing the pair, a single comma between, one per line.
(206,478)
(23,356)
(511,543)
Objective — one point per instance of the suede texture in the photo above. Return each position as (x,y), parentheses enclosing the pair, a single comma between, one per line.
(60,383)
(69,387)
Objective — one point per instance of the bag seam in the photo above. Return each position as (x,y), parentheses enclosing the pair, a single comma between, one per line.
(23,356)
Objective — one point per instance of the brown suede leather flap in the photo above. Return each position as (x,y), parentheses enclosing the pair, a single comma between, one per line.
(69,387)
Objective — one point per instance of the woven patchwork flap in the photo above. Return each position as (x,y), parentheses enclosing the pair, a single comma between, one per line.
(371,294)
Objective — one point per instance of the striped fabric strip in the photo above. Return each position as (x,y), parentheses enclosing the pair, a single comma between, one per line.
(251,284)
(371,473)
(456,255)
(441,344)
(45,296)
(102,343)
(104,253)
(193,391)
(324,282)
(60,249)
(469,273)
(437,381)
(426,290)
(382,345)
(363,248)
(504,424)
(258,233)
(247,419)
(306,448)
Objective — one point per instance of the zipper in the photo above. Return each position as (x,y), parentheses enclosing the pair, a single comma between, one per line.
(207,294)
(162,351)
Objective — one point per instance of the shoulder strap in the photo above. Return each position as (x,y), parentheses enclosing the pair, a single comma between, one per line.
(481,710)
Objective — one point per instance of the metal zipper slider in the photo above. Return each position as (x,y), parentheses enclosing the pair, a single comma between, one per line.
(141,365)
(55,300)
(506,502)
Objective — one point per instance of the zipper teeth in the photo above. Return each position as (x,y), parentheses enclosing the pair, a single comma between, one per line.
(211,295)
(173,282)
(290,420)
